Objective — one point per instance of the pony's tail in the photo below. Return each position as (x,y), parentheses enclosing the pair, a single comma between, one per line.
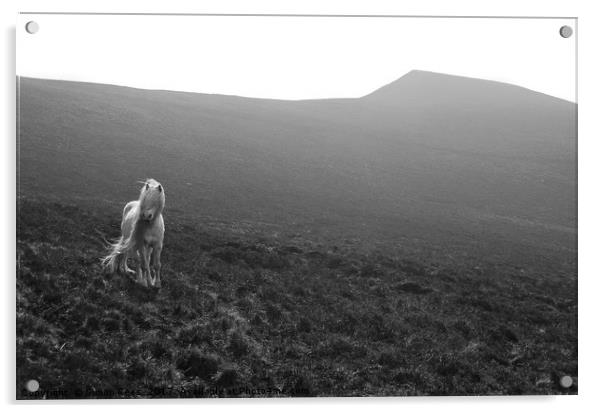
(118,249)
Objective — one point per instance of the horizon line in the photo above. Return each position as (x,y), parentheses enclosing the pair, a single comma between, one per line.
(303,99)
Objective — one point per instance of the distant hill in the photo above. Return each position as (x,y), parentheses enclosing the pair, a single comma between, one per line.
(456,163)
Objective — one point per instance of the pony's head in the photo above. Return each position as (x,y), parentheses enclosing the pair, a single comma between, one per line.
(152,200)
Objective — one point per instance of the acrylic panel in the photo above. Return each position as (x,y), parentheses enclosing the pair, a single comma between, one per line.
(295,205)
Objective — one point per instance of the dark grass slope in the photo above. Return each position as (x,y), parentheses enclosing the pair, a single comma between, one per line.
(273,316)
(419,240)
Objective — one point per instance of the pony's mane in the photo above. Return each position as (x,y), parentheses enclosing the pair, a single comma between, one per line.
(149,181)
(151,191)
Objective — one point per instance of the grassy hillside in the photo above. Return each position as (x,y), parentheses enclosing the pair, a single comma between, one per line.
(419,240)
(242,315)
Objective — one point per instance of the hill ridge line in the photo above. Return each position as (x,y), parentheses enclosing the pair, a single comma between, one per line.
(410,74)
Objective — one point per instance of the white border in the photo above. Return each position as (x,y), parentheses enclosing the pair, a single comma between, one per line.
(590,159)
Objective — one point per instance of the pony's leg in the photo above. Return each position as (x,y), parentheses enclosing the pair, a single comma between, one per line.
(157,265)
(147,253)
(127,269)
(141,268)
(123,262)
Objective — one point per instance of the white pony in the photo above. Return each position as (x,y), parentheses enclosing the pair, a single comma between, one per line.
(142,231)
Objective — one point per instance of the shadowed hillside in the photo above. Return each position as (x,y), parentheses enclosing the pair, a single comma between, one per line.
(482,166)
(420,240)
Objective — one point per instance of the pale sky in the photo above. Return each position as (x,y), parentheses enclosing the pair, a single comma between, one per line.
(293,57)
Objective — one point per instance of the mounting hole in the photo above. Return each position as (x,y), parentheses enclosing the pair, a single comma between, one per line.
(32,27)
(566,381)
(32,386)
(566,31)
